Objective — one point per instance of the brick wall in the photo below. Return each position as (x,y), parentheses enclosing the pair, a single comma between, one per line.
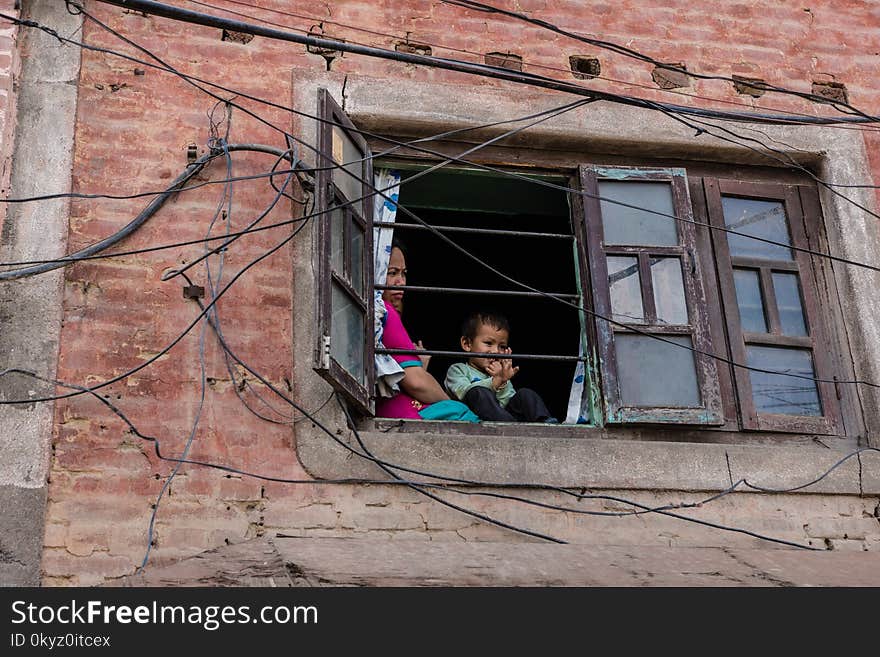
(133,127)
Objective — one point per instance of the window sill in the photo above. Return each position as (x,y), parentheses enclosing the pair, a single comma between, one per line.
(588,457)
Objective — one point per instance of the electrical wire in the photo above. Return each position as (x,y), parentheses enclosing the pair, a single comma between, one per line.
(149,361)
(227,199)
(648,104)
(518,485)
(212,302)
(71,258)
(259,148)
(509,279)
(634,54)
(169,69)
(214,317)
(133,225)
(273,173)
(184,453)
(773,372)
(421,489)
(788,160)
(89,254)
(484,265)
(434,44)
(707,523)
(176,13)
(664,107)
(654,105)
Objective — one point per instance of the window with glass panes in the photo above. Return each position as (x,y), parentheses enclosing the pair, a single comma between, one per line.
(343,246)
(648,298)
(771,307)
(717,328)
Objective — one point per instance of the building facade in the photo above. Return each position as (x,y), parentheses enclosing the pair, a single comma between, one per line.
(661,427)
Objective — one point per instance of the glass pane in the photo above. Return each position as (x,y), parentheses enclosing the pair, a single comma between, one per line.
(654,373)
(775,393)
(764,219)
(750,300)
(347,154)
(669,291)
(623,225)
(337,237)
(347,333)
(626,291)
(788,300)
(357,257)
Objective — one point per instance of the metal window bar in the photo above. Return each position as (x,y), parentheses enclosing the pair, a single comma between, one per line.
(465,290)
(476,231)
(474,354)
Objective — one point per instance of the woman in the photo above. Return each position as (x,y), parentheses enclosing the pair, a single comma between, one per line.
(421,397)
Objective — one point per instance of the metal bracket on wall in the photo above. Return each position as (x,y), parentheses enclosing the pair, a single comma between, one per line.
(193,292)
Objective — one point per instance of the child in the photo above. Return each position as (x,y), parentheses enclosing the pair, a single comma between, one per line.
(484,383)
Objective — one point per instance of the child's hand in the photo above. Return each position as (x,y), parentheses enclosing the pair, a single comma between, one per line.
(494,368)
(507,369)
(424,358)
(501,370)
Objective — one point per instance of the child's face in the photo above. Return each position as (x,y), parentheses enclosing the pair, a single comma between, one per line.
(488,340)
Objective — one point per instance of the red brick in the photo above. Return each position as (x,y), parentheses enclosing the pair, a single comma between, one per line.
(118,313)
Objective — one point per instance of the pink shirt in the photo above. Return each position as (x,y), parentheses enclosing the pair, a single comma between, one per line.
(395,336)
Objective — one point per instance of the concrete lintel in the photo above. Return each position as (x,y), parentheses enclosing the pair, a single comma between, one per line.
(422,108)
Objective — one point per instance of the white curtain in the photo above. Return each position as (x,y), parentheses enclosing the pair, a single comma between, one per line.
(579,405)
(388,372)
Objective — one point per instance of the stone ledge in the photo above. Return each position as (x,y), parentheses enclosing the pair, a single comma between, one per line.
(593,462)
(371,562)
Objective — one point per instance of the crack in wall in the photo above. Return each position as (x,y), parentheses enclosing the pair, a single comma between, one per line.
(7,557)
(758,572)
(861,488)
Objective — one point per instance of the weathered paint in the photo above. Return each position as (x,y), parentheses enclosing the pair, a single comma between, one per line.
(637,173)
(135,128)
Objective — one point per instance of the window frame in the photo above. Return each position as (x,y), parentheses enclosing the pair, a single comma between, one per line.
(328,196)
(721,388)
(711,413)
(794,198)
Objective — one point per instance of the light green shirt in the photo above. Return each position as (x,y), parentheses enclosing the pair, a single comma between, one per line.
(461,377)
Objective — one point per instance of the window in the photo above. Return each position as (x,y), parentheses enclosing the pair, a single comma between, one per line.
(521,229)
(663,297)
(771,307)
(646,279)
(343,244)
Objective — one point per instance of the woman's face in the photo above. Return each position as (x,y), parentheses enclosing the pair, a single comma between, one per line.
(396,276)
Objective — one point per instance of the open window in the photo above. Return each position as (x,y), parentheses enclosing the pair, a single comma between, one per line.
(520,228)
(651,313)
(772,307)
(343,244)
